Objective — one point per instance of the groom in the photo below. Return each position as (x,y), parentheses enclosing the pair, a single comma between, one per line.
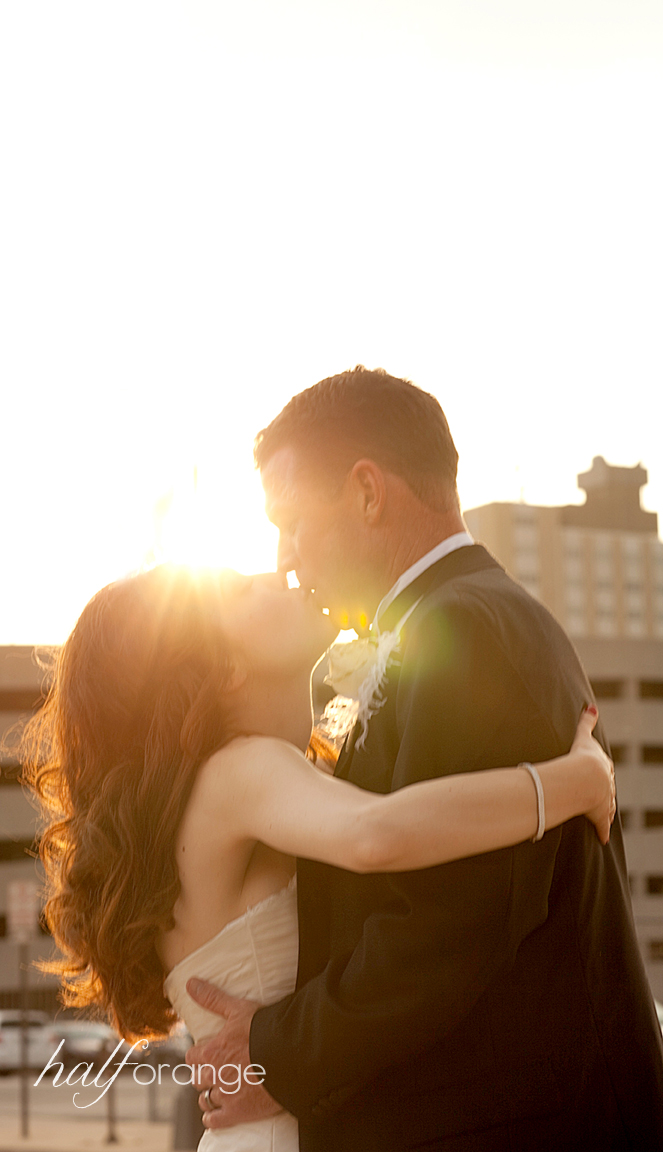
(489,1004)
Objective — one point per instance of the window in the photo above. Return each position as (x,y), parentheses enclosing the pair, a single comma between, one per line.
(608,689)
(575,596)
(527,563)
(635,624)
(20,700)
(9,771)
(632,545)
(16,849)
(605,597)
(653,818)
(573,541)
(604,545)
(632,556)
(576,623)
(574,568)
(618,753)
(606,624)
(655,885)
(604,572)
(626,816)
(651,689)
(526,536)
(16,1023)
(652,753)
(633,579)
(42,926)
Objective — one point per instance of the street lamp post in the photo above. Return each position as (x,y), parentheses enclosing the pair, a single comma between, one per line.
(22,922)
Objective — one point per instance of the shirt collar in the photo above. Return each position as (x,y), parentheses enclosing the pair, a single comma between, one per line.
(450,544)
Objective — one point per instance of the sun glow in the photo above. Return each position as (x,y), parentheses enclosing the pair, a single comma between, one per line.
(204,522)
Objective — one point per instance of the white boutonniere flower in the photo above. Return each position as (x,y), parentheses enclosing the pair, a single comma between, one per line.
(358,673)
(349,665)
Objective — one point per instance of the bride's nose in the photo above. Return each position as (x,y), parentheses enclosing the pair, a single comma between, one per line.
(272,580)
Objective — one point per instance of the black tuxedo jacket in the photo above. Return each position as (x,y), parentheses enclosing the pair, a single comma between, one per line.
(493,1003)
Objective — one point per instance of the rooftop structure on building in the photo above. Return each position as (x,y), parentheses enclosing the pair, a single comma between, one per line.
(598,566)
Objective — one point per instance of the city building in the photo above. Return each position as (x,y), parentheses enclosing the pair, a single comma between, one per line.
(598,567)
(20,693)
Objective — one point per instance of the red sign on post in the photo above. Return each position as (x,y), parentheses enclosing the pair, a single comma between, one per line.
(22,910)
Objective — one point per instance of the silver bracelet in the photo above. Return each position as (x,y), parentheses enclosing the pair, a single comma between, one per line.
(540,801)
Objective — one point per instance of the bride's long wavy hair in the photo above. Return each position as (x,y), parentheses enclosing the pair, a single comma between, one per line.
(135,706)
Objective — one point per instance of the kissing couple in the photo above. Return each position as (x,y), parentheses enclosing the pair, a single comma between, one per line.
(431,948)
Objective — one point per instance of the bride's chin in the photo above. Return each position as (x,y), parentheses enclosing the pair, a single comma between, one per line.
(317,644)
(328,629)
(321,622)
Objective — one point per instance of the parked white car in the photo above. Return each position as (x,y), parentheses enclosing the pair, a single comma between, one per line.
(85,1041)
(42,1039)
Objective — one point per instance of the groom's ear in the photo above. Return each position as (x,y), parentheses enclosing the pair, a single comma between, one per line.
(369,490)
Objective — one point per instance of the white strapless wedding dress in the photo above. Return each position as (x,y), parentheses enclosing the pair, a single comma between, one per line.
(254,957)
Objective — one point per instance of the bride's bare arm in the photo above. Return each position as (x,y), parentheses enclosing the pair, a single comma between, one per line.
(270,792)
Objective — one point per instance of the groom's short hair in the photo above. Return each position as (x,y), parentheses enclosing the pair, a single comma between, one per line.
(364,413)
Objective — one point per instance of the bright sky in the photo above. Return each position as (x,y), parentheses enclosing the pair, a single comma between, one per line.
(207,206)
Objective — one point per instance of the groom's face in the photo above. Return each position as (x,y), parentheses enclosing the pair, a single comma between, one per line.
(321,539)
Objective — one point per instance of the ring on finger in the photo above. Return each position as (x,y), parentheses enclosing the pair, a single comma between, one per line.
(208,1099)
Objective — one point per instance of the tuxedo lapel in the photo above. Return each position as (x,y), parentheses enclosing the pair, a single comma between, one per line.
(461,562)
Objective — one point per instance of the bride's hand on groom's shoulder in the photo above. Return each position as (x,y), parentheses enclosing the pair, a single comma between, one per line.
(232,1090)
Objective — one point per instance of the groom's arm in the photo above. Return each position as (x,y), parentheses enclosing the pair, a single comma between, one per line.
(425,959)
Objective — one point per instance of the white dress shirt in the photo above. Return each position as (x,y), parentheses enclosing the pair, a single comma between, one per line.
(450,544)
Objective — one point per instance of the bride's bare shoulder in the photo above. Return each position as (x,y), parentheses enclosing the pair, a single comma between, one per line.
(230,782)
(252,752)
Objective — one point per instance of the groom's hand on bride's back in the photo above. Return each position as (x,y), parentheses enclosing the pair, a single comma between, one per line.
(227,1099)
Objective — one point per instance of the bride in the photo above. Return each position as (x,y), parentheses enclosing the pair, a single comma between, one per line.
(169,761)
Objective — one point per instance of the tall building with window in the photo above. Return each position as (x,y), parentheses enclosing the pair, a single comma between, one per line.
(598,566)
